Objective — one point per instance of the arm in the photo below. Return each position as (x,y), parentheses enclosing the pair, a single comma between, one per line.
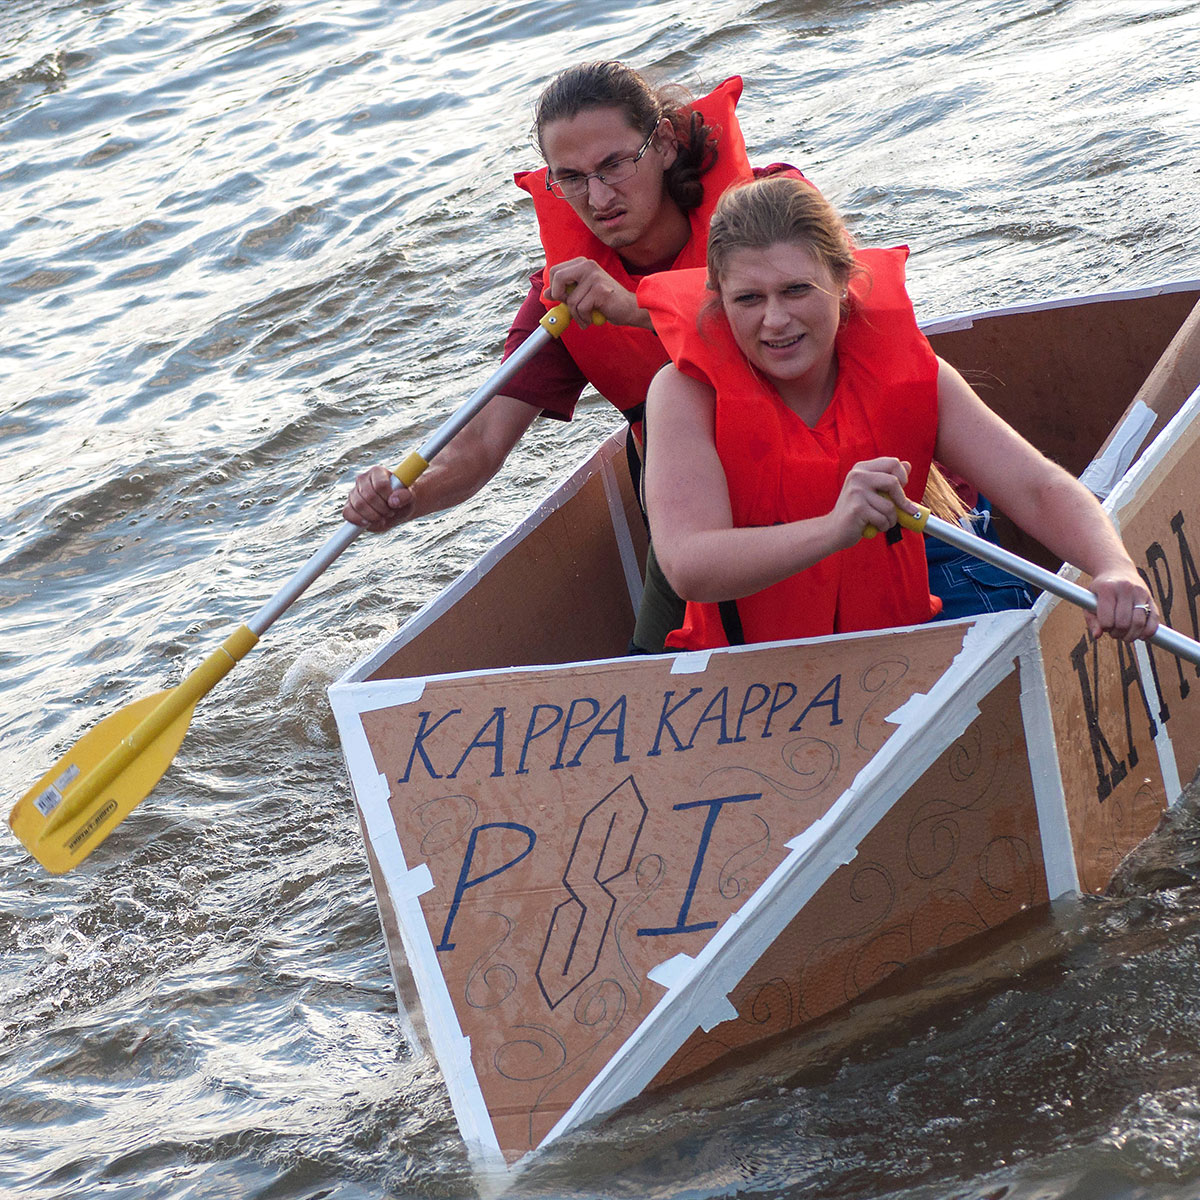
(702,554)
(1044,500)
(461,469)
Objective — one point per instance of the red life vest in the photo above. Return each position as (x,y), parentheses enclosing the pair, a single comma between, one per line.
(779,469)
(619,361)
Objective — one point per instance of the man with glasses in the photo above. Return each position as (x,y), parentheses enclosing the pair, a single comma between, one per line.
(632,175)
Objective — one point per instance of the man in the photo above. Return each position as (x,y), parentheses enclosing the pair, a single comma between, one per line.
(632,175)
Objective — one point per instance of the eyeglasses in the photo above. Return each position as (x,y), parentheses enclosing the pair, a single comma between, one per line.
(617,171)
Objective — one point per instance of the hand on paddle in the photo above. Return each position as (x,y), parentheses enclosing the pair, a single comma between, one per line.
(376,503)
(871,493)
(593,295)
(1124,606)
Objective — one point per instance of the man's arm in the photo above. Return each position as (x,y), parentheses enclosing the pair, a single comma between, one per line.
(459,471)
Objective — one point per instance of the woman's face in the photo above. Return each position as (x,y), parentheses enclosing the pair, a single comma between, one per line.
(784,306)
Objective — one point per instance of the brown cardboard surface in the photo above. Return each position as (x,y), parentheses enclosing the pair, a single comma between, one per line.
(583,826)
(1173,378)
(1112,782)
(958,854)
(1063,377)
(559,595)
(1105,718)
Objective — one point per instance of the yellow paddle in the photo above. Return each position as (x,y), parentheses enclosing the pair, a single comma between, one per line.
(925,522)
(80,800)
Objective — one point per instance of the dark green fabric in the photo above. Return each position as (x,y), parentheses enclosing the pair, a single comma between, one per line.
(660,612)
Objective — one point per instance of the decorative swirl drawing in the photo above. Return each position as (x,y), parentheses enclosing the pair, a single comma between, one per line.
(950,915)
(648,874)
(732,879)
(816,760)
(876,959)
(872,888)
(490,983)
(767,1009)
(535,1056)
(878,680)
(1009,871)
(444,820)
(940,837)
(1123,824)
(945,916)
(935,831)
(965,757)
(811,762)
(770,1008)
(600,1009)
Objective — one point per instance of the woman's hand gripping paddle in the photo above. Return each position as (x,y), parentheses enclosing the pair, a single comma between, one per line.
(80,800)
(925,522)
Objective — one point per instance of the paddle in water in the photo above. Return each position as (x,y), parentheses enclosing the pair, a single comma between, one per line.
(80,800)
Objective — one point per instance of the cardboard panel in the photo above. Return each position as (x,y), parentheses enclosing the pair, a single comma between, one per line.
(582,827)
(559,594)
(1106,713)
(1104,730)
(1161,527)
(958,854)
(1064,376)
(1173,378)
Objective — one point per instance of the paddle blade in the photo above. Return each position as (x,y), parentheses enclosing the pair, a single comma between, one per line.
(100,780)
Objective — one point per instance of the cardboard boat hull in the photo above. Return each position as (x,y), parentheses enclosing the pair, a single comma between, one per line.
(599,874)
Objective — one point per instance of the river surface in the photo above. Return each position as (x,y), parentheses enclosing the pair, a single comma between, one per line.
(249,248)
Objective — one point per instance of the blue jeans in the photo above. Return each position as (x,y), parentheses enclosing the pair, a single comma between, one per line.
(967,585)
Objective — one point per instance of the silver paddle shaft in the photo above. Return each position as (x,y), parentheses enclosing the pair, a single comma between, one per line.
(954,535)
(437,441)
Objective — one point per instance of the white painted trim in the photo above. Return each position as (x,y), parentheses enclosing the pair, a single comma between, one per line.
(1058,847)
(952,703)
(622,533)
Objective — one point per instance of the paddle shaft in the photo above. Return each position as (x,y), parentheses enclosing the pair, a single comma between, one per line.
(408,472)
(954,535)
(112,768)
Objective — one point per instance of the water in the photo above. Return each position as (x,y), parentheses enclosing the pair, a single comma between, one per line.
(249,249)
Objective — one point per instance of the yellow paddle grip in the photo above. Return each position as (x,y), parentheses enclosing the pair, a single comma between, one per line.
(558,318)
(908,520)
(411,469)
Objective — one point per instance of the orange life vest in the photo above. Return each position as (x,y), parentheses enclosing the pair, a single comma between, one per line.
(779,469)
(619,361)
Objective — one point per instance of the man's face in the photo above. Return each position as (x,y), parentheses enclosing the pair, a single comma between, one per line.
(622,215)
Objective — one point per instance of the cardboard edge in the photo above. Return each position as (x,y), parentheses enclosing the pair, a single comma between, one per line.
(1041,743)
(954,322)
(598,460)
(447,1044)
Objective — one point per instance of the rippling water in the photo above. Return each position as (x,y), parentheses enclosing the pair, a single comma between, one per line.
(249,248)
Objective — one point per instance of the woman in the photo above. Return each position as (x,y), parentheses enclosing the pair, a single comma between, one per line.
(803,405)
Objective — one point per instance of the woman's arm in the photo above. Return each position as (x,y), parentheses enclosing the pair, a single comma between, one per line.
(687,497)
(1044,500)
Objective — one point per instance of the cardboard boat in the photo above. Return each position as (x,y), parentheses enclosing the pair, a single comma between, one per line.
(599,874)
